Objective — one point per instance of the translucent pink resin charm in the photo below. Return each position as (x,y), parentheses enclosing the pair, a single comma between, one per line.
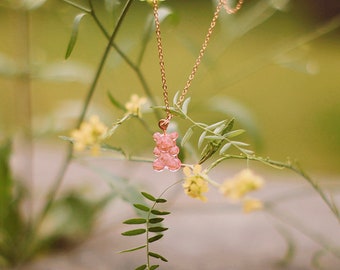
(166,152)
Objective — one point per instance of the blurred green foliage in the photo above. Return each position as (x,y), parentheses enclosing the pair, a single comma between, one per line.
(270,66)
(70,220)
(265,58)
(13,228)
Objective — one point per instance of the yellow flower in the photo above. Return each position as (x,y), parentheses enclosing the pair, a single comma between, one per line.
(89,134)
(133,106)
(241,184)
(250,205)
(195,182)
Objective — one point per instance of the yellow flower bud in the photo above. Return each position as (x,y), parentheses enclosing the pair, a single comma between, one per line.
(241,184)
(195,182)
(89,134)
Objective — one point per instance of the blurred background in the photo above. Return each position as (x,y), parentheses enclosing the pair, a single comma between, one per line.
(275,65)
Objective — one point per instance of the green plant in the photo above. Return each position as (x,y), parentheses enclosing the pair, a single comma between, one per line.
(152,223)
(203,145)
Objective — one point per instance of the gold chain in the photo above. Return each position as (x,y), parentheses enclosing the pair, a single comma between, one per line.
(163,124)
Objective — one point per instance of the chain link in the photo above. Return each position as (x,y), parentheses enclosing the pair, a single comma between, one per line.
(221,4)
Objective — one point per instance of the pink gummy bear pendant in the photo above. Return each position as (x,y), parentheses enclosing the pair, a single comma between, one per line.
(166,152)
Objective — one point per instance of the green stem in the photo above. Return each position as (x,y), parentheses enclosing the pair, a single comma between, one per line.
(77,6)
(282,165)
(294,223)
(148,218)
(204,127)
(128,61)
(64,167)
(144,44)
(22,120)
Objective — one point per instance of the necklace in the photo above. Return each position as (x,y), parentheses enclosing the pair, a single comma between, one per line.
(166,150)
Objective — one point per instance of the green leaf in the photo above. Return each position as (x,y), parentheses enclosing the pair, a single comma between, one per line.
(185,105)
(173,111)
(141,207)
(153,267)
(115,102)
(212,147)
(234,133)
(155,238)
(247,151)
(166,13)
(239,143)
(133,249)
(229,126)
(225,148)
(215,125)
(74,34)
(220,128)
(135,221)
(157,229)
(214,137)
(201,139)
(148,196)
(245,117)
(134,232)
(187,136)
(157,256)
(155,220)
(142,267)
(160,200)
(175,99)
(159,213)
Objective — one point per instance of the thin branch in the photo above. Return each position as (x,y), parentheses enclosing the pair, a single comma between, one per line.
(294,223)
(127,60)
(66,163)
(282,165)
(82,8)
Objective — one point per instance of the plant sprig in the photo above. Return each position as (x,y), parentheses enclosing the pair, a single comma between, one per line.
(152,222)
(285,165)
(218,136)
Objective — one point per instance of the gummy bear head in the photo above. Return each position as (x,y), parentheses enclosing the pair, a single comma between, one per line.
(165,142)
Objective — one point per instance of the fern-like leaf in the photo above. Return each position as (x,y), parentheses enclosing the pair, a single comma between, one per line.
(157,256)
(135,221)
(142,207)
(134,232)
(148,196)
(159,213)
(133,249)
(155,238)
(142,267)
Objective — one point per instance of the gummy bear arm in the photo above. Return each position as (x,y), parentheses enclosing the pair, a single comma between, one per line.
(174,150)
(156,151)
(156,136)
(173,135)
